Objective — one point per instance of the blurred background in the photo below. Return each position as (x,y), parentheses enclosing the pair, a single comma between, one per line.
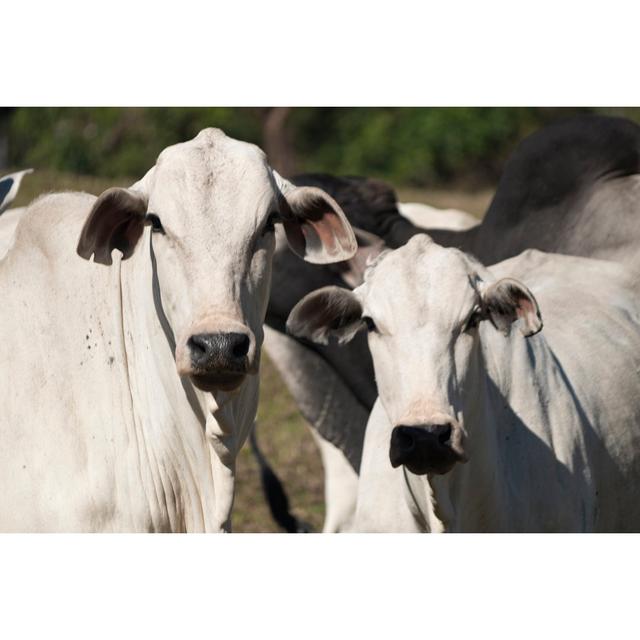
(445,157)
(414,147)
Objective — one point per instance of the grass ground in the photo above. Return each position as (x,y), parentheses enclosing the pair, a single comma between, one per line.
(282,432)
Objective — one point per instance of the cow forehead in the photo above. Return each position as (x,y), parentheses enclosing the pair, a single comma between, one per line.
(211,183)
(213,144)
(214,161)
(419,278)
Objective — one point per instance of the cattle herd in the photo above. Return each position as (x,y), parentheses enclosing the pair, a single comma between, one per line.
(457,376)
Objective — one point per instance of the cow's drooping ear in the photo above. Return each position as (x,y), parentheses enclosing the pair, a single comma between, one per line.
(330,311)
(352,271)
(508,300)
(116,221)
(316,227)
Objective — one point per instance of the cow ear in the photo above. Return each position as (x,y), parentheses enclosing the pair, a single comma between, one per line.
(330,311)
(116,221)
(508,300)
(316,227)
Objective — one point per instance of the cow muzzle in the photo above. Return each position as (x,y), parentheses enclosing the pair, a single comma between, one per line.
(427,448)
(217,360)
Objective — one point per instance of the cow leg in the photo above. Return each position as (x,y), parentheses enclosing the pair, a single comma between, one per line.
(340,487)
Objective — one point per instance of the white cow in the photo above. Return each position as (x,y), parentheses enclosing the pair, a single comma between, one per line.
(332,390)
(130,382)
(341,480)
(481,428)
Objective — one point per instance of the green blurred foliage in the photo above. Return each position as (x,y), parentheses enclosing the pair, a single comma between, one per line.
(410,146)
(113,141)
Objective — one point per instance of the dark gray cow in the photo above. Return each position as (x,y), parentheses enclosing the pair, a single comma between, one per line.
(572,187)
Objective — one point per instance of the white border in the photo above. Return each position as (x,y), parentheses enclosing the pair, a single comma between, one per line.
(352,586)
(334,52)
(322,53)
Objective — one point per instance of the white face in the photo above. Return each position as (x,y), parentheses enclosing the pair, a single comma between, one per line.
(217,202)
(212,204)
(422,305)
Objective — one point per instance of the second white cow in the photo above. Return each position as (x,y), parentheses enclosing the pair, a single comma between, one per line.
(480,427)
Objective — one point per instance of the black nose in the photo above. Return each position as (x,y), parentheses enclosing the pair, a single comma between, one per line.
(220,351)
(423,449)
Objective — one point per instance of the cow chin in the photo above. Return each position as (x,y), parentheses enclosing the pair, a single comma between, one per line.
(217,381)
(421,465)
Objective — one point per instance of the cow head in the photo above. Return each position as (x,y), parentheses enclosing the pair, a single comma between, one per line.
(208,208)
(423,306)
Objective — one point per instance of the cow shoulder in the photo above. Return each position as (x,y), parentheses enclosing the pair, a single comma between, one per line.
(577,153)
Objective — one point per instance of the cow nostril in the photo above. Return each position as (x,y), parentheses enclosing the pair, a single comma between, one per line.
(197,345)
(404,439)
(241,347)
(220,351)
(444,434)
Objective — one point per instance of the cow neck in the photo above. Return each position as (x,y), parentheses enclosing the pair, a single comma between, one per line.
(427,513)
(468,497)
(187,477)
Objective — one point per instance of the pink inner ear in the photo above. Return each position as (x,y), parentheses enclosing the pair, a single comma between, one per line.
(317,230)
(323,234)
(528,311)
(321,237)
(525,308)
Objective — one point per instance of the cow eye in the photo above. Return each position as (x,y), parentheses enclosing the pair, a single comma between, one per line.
(270,224)
(474,319)
(369,323)
(154,221)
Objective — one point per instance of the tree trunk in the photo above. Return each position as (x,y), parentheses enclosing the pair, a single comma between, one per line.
(276,140)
